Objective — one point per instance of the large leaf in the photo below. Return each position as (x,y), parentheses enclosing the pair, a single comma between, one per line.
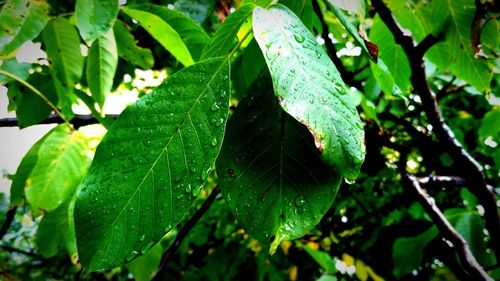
(151,165)
(163,33)
(310,88)
(354,6)
(226,38)
(405,263)
(270,172)
(101,66)
(191,33)
(60,167)
(62,45)
(20,21)
(95,17)
(127,47)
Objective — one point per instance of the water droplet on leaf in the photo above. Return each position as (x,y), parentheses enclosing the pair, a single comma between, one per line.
(299,38)
(300,201)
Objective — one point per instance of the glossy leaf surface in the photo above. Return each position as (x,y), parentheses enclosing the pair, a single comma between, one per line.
(151,165)
(95,17)
(310,88)
(270,172)
(20,21)
(163,33)
(101,66)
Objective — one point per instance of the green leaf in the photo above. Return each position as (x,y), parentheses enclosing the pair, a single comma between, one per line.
(129,50)
(21,70)
(405,263)
(95,18)
(163,33)
(310,88)
(20,21)
(247,68)
(225,39)
(61,165)
(270,172)
(489,34)
(30,108)
(62,45)
(101,66)
(322,258)
(48,241)
(144,267)
(191,33)
(391,53)
(199,10)
(151,165)
(353,6)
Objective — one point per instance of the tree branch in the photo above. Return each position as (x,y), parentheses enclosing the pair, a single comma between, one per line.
(470,168)
(442,180)
(77,121)
(347,76)
(469,263)
(9,218)
(427,43)
(26,253)
(184,232)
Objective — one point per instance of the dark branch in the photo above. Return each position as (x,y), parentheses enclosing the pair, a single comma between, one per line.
(476,27)
(469,263)
(9,218)
(26,253)
(347,76)
(424,45)
(465,163)
(77,121)
(442,180)
(184,232)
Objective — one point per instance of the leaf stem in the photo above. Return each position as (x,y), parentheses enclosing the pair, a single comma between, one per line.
(38,93)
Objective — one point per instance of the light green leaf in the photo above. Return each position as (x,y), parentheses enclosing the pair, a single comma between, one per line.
(21,70)
(405,263)
(57,231)
(144,267)
(270,172)
(224,40)
(163,33)
(151,165)
(20,21)
(95,17)
(310,88)
(322,258)
(62,45)
(101,66)
(353,6)
(128,49)
(191,33)
(61,165)
(391,53)
(489,34)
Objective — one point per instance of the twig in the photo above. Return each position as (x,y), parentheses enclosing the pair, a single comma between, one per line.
(472,171)
(26,253)
(476,27)
(9,218)
(424,45)
(77,121)
(469,263)
(184,232)
(347,76)
(36,92)
(442,180)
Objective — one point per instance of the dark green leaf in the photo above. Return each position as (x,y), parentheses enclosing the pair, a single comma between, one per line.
(101,66)
(198,10)
(62,45)
(151,165)
(405,263)
(310,88)
(270,172)
(163,33)
(61,165)
(95,17)
(21,20)
(225,39)
(128,49)
(21,70)
(144,267)
(191,33)
(247,68)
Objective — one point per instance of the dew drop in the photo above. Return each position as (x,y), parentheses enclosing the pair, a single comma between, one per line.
(214,141)
(143,237)
(318,54)
(214,107)
(300,201)
(146,248)
(299,38)
(196,191)
(205,173)
(178,178)
(131,256)
(349,181)
(188,188)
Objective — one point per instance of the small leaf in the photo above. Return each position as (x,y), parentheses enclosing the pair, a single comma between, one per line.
(353,6)
(21,21)
(224,40)
(163,33)
(322,258)
(101,66)
(405,263)
(144,267)
(310,88)
(61,165)
(191,33)
(149,167)
(62,45)
(21,70)
(129,50)
(95,18)
(270,172)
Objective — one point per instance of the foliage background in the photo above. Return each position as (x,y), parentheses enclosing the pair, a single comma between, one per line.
(375,230)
